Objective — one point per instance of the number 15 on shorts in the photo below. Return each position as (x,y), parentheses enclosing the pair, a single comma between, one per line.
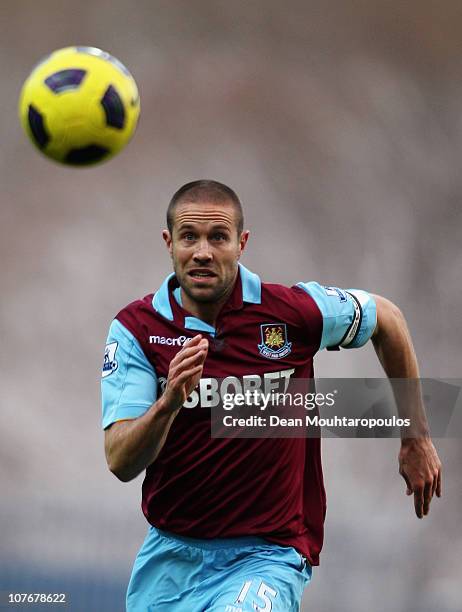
(265,593)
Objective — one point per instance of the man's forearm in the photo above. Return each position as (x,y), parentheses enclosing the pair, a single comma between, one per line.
(394,348)
(392,342)
(131,446)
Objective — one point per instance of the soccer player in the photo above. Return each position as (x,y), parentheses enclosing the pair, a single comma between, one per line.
(235,524)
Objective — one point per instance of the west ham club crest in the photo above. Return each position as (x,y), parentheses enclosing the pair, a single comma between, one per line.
(274,344)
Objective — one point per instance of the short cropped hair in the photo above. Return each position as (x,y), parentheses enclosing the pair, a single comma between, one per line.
(205,191)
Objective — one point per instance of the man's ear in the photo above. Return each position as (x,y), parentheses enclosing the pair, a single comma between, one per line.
(166,235)
(243,241)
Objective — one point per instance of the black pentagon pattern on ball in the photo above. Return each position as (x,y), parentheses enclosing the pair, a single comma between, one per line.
(37,127)
(114,108)
(86,155)
(64,80)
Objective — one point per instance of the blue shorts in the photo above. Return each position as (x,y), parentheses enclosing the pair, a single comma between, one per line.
(177,574)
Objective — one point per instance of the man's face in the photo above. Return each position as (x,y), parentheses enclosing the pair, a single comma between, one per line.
(205,248)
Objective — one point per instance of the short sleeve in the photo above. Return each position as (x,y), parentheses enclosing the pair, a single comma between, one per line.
(349,315)
(129,382)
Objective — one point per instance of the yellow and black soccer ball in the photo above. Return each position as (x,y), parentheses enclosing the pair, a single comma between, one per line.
(79,106)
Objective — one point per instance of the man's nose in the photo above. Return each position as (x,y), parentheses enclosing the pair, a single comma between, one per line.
(203,253)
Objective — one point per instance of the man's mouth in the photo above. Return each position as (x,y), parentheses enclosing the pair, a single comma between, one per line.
(201,273)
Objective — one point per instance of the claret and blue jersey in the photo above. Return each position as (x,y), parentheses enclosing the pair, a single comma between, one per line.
(203,487)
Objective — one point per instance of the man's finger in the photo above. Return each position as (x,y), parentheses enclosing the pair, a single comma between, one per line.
(201,343)
(408,484)
(427,497)
(184,364)
(188,350)
(187,374)
(439,490)
(435,483)
(190,342)
(419,500)
(194,340)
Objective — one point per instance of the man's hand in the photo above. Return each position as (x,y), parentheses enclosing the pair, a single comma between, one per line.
(184,372)
(420,467)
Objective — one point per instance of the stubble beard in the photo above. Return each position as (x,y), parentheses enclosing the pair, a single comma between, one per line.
(206,298)
(222,290)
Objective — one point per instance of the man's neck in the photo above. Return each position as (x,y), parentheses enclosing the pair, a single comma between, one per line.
(205,311)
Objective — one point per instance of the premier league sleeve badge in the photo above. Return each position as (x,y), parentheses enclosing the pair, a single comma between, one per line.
(110,364)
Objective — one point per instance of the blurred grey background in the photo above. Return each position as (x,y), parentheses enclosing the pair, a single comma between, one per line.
(339,124)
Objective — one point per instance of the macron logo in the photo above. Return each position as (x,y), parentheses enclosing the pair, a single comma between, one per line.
(170,341)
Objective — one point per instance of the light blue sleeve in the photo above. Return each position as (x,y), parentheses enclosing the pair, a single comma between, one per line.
(349,316)
(129,382)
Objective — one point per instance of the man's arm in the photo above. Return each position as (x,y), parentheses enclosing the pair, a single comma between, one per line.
(419,463)
(132,445)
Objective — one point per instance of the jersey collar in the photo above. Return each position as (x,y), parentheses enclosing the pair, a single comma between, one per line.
(247,290)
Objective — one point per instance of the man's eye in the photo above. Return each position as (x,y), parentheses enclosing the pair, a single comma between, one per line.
(219,236)
(188,236)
